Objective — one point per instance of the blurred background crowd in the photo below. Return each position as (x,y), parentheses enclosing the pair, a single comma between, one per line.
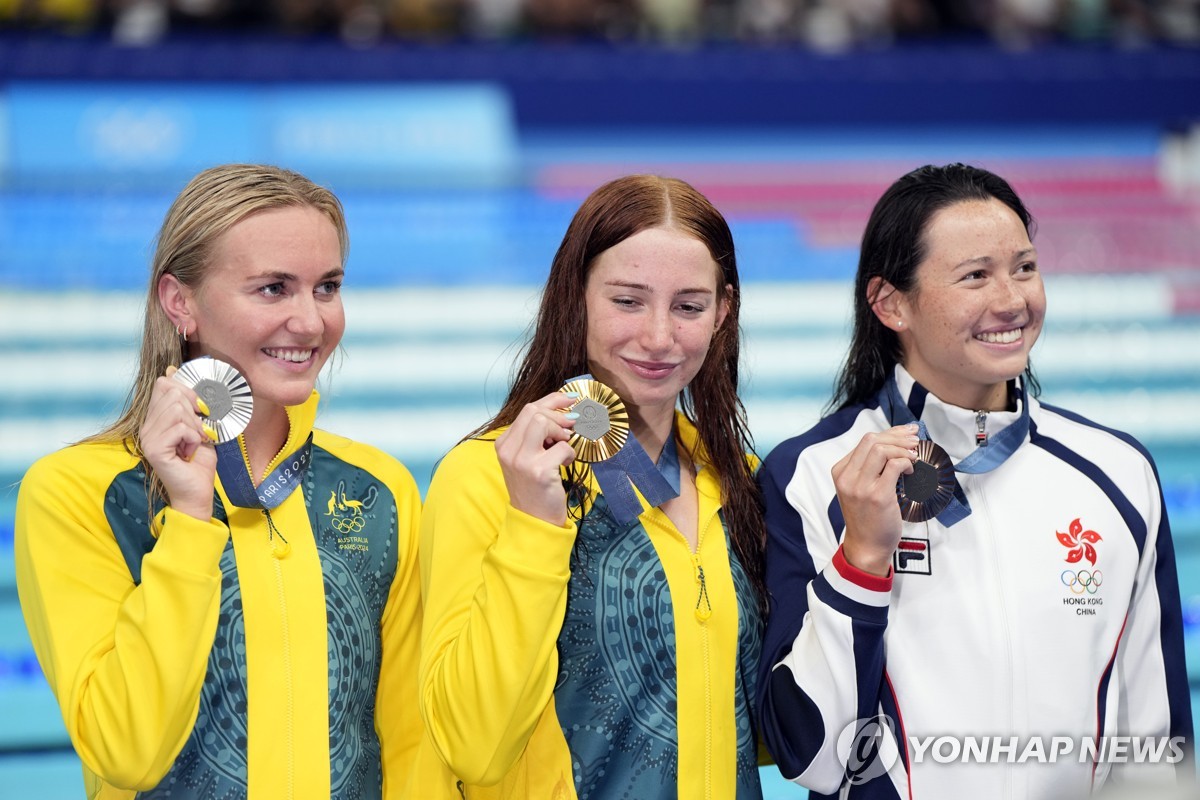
(829,25)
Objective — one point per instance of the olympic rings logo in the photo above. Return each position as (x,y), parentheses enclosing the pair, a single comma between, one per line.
(338,505)
(1082,581)
(348,524)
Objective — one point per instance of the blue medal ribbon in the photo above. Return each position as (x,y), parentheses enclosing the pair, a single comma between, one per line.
(668,463)
(275,487)
(631,466)
(984,459)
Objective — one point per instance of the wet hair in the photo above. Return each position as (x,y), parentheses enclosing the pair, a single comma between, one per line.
(557,349)
(893,246)
(208,206)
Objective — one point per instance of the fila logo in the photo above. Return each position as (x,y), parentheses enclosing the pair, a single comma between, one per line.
(912,556)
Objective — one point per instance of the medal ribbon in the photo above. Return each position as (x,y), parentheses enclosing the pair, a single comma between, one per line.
(275,487)
(631,466)
(668,463)
(984,459)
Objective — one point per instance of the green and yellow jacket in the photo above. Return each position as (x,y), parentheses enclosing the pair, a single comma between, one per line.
(203,660)
(594,659)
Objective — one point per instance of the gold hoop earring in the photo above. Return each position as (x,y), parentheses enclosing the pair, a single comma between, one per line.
(181,331)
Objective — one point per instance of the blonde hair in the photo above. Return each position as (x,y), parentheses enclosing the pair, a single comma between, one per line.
(212,202)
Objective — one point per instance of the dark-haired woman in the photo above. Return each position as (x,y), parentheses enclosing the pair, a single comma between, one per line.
(1024,610)
(574,646)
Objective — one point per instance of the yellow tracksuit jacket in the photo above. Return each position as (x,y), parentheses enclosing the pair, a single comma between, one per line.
(198,664)
(586,660)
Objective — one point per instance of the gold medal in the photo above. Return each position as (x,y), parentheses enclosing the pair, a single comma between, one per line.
(929,489)
(224,391)
(603,424)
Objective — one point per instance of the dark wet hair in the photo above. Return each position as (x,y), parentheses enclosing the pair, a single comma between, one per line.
(893,246)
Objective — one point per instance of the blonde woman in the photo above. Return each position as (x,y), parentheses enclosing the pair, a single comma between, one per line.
(238,620)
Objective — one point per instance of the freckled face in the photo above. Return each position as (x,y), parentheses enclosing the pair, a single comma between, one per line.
(270,303)
(977,306)
(652,310)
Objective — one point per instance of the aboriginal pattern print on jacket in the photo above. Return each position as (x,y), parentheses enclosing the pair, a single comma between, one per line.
(354,523)
(617,691)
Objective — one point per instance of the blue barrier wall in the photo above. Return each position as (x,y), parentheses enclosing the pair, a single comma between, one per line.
(715,85)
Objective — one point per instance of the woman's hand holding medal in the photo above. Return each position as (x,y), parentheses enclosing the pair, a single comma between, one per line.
(531,453)
(865,480)
(175,443)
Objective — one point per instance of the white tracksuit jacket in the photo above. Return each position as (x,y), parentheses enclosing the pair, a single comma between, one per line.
(1050,615)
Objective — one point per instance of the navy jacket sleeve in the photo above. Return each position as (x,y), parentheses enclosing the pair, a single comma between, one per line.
(823,657)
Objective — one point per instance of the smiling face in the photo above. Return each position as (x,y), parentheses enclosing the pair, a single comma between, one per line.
(270,303)
(652,309)
(977,307)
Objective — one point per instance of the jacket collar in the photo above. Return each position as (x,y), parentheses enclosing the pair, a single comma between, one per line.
(951,426)
(301,419)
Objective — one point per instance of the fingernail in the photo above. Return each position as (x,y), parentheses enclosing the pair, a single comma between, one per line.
(572,415)
(913,452)
(571,394)
(209,432)
(171,370)
(203,406)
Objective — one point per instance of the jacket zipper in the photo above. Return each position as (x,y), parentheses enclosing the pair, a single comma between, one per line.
(280,550)
(708,720)
(1001,606)
(289,734)
(703,603)
(981,437)
(703,612)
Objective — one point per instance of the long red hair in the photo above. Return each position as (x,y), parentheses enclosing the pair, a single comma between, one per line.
(557,349)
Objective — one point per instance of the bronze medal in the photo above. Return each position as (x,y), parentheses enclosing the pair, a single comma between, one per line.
(929,489)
